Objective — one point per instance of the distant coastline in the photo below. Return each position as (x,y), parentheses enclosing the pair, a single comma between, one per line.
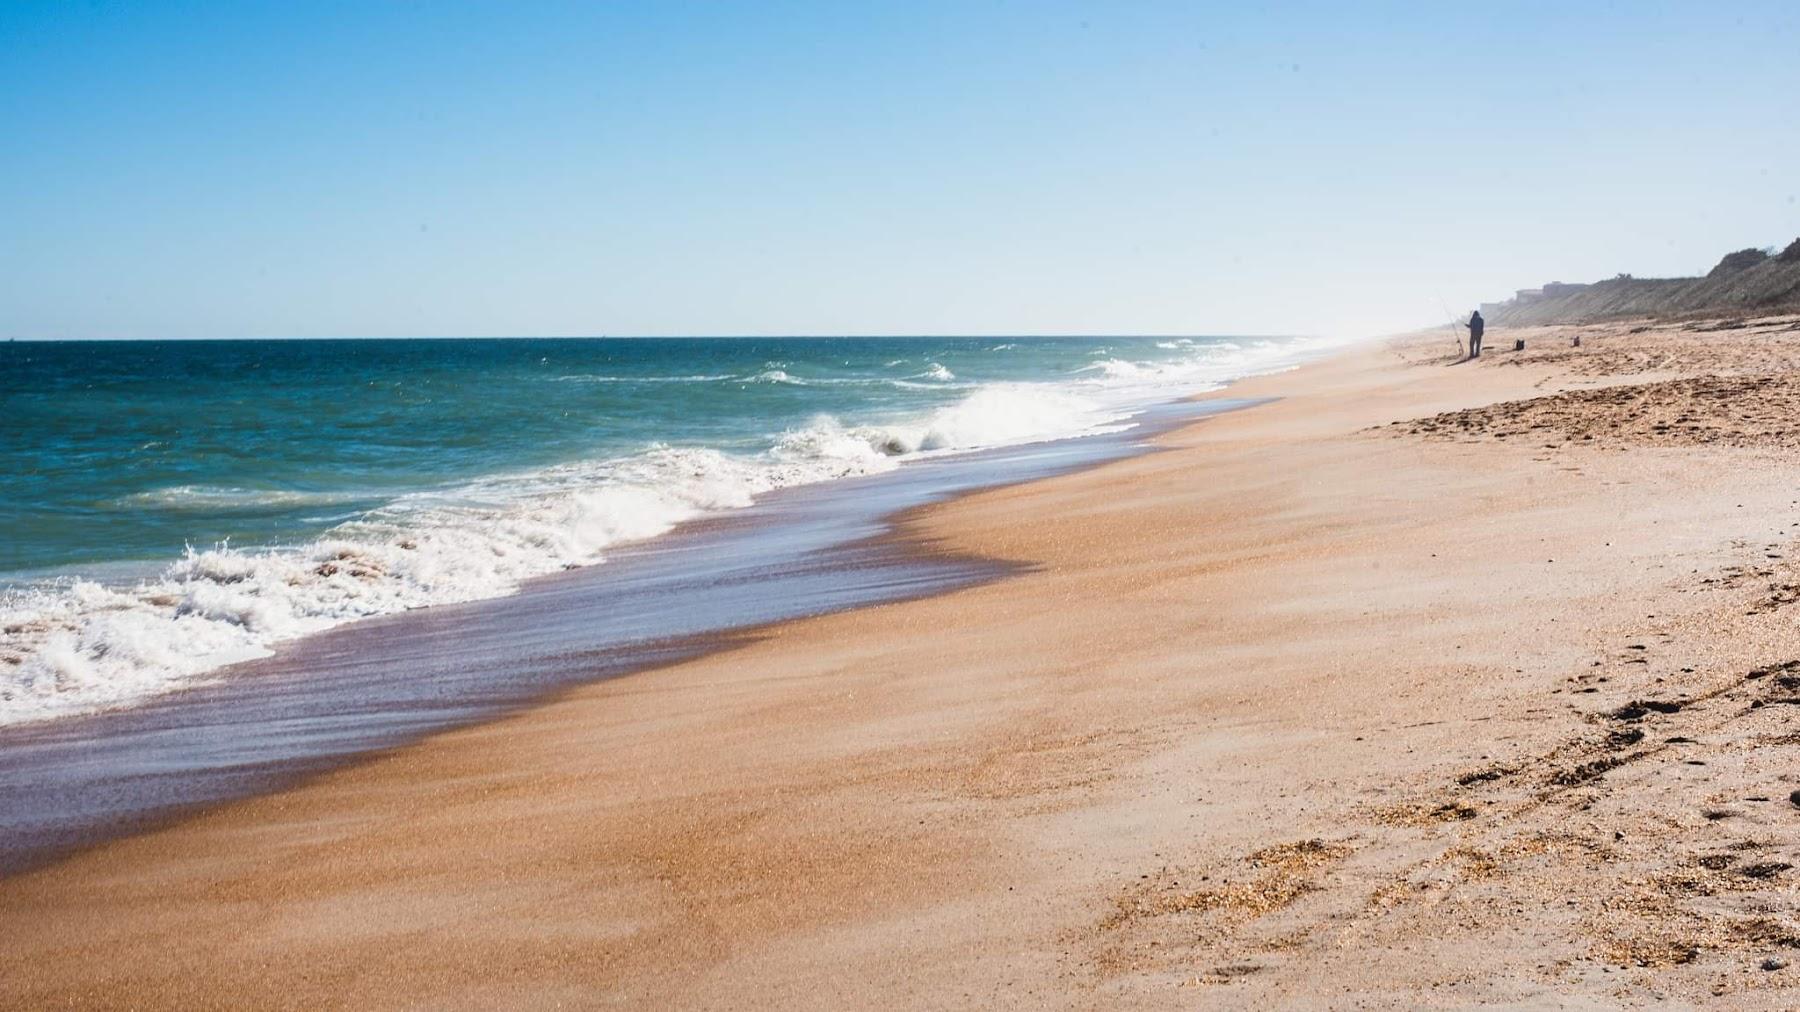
(1746,282)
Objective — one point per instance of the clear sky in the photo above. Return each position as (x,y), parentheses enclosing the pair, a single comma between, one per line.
(369,168)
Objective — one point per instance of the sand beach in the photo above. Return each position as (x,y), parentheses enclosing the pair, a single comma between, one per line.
(1423,683)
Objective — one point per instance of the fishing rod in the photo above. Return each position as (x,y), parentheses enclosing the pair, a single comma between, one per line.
(1455,325)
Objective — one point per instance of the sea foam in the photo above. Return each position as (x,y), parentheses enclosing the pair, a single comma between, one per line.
(77,645)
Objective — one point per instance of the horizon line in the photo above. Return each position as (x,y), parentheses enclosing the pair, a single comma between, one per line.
(649,337)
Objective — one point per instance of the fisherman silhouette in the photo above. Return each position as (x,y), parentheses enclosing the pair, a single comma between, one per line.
(1476,325)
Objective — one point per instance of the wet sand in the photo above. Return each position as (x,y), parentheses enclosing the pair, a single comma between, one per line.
(327,699)
(1312,708)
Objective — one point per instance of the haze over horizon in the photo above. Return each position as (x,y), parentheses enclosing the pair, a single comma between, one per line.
(931,168)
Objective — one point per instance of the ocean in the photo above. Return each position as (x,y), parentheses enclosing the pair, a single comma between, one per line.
(171,508)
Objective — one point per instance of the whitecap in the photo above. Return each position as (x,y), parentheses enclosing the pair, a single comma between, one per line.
(73,645)
(591,378)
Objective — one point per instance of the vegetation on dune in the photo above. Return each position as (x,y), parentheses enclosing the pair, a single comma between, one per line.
(1745,281)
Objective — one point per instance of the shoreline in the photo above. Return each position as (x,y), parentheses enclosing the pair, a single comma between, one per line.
(348,725)
(1306,707)
(312,560)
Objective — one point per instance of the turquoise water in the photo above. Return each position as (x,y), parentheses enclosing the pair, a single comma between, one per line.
(174,506)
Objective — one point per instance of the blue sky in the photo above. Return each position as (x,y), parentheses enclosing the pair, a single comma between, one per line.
(198,170)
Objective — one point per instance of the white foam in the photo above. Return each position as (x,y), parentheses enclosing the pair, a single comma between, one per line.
(74,645)
(1116,368)
(218,497)
(593,378)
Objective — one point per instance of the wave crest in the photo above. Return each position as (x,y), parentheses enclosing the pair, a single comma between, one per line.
(78,645)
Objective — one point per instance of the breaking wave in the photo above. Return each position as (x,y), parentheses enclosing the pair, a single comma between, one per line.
(73,645)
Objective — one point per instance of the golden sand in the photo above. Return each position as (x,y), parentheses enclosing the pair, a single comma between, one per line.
(1495,705)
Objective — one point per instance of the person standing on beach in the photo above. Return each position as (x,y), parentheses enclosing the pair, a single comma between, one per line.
(1476,325)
